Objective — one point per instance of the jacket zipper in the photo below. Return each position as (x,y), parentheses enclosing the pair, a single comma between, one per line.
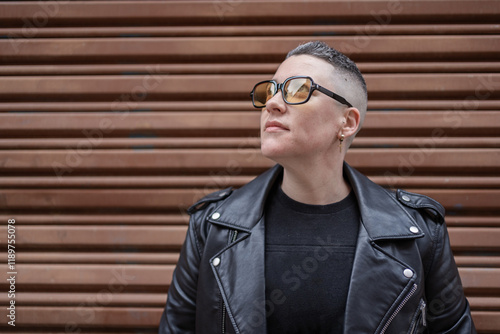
(223,326)
(423,311)
(420,317)
(399,308)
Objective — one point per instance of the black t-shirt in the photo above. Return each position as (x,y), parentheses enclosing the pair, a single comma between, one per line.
(309,257)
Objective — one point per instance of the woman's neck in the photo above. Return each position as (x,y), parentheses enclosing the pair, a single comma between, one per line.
(315,183)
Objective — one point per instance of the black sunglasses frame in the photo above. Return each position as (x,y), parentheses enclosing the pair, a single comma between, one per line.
(314,86)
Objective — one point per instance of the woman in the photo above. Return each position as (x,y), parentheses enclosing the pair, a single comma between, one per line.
(313,246)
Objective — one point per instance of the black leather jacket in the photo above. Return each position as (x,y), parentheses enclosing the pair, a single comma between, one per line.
(404,278)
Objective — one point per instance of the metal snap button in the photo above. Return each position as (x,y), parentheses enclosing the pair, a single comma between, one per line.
(414,229)
(216,215)
(405,198)
(216,262)
(408,273)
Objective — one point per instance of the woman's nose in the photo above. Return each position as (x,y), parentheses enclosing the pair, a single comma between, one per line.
(276,103)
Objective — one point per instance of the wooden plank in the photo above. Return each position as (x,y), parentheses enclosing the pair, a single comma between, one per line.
(484,303)
(196,49)
(373,105)
(251,30)
(127,89)
(480,280)
(214,181)
(477,261)
(122,299)
(99,218)
(94,257)
(207,11)
(120,318)
(91,316)
(177,200)
(238,68)
(440,126)
(91,277)
(404,161)
(475,239)
(176,142)
(225,180)
(474,280)
(462,200)
(473,220)
(158,299)
(155,237)
(168,200)
(96,126)
(98,237)
(86,218)
(486,322)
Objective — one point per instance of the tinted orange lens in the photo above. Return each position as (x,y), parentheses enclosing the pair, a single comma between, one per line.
(297,90)
(263,92)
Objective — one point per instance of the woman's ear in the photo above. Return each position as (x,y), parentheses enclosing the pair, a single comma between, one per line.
(352,122)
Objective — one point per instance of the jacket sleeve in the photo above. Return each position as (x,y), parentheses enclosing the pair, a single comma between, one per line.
(180,310)
(447,308)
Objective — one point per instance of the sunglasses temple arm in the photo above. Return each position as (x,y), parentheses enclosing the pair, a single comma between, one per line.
(333,95)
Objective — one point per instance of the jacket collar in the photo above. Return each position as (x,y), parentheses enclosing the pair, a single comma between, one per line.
(378,207)
(382,215)
(245,207)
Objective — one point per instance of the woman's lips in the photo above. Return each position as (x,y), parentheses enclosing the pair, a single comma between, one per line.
(275,126)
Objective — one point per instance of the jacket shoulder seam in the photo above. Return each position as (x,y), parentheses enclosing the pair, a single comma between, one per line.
(210,198)
(422,202)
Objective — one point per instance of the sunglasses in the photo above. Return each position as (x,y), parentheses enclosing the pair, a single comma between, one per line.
(295,90)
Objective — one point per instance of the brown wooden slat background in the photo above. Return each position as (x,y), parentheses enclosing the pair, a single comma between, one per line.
(117,115)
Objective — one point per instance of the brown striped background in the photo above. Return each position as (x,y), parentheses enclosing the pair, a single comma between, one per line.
(115,116)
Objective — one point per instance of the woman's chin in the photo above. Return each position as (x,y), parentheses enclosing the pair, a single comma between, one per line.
(274,152)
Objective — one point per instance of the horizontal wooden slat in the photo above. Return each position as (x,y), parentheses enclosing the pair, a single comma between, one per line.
(157,299)
(124,200)
(101,218)
(459,200)
(486,322)
(224,180)
(74,318)
(149,237)
(239,120)
(454,200)
(376,105)
(477,239)
(405,161)
(116,278)
(97,237)
(93,257)
(90,299)
(249,30)
(193,49)
(238,68)
(78,317)
(94,126)
(181,219)
(477,261)
(126,89)
(238,142)
(205,11)
(476,280)
(480,280)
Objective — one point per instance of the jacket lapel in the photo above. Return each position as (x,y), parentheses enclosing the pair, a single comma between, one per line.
(240,273)
(378,263)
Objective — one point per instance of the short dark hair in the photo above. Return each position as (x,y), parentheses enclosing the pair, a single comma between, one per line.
(337,59)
